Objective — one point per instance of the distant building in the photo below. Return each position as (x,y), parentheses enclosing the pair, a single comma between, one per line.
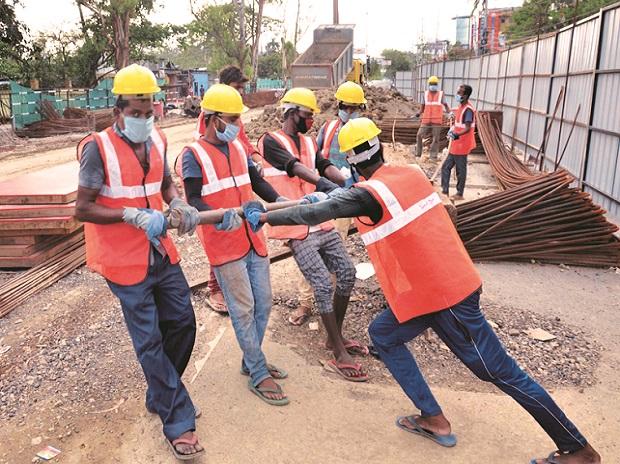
(438,50)
(462,31)
(488,31)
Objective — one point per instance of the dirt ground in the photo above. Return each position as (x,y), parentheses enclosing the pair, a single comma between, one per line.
(70,379)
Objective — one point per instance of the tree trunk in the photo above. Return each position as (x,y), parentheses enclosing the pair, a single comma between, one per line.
(296,25)
(241,6)
(255,45)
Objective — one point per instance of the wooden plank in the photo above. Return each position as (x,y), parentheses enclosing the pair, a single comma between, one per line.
(38,232)
(36,211)
(26,250)
(41,255)
(62,222)
(55,185)
(14,240)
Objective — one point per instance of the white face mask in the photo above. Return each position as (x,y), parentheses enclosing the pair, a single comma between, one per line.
(138,130)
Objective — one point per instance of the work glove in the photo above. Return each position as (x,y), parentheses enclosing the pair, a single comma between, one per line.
(151,221)
(281,199)
(314,197)
(188,214)
(325,185)
(453,135)
(252,211)
(231,221)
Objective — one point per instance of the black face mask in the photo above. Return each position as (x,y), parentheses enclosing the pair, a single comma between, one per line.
(303,125)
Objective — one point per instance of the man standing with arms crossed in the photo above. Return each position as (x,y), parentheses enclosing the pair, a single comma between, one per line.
(429,281)
(123,184)
(432,117)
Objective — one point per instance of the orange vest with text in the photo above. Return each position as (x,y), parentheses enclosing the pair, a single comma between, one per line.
(465,143)
(420,261)
(292,188)
(225,184)
(119,251)
(433,109)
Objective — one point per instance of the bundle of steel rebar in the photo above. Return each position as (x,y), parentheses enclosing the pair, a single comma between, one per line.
(543,219)
(508,169)
(15,291)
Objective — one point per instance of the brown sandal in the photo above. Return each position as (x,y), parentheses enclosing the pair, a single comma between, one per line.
(185,441)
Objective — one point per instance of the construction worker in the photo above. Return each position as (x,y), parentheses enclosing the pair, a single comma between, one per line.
(230,75)
(462,142)
(217,173)
(432,117)
(294,167)
(351,103)
(429,281)
(124,181)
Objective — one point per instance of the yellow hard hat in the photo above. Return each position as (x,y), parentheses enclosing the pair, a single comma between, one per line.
(350,92)
(135,80)
(301,97)
(433,80)
(221,98)
(355,132)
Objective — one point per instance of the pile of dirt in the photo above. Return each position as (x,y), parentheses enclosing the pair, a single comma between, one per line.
(568,360)
(382,103)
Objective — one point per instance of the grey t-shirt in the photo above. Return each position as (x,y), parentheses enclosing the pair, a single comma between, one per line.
(92,173)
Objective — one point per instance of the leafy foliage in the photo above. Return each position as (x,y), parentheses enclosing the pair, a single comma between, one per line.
(400,61)
(13,45)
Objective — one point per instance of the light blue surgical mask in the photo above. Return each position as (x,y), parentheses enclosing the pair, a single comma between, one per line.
(458,98)
(229,134)
(433,87)
(345,115)
(138,130)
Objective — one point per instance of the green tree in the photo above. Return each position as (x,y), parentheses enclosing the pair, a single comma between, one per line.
(270,62)
(400,61)
(374,71)
(13,45)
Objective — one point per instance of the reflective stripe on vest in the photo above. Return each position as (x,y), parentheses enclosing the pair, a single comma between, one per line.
(467,142)
(328,136)
(429,102)
(215,184)
(400,218)
(433,111)
(116,189)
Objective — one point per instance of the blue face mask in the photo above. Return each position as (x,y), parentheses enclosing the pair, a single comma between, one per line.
(345,115)
(229,134)
(138,130)
(433,87)
(458,98)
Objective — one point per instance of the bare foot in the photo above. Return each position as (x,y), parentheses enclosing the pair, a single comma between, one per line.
(271,384)
(436,424)
(183,448)
(586,455)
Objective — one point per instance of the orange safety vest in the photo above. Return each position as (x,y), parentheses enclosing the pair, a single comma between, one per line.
(433,108)
(292,188)
(119,251)
(465,143)
(420,261)
(225,184)
(200,129)
(331,128)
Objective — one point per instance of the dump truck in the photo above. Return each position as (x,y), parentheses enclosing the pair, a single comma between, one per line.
(329,59)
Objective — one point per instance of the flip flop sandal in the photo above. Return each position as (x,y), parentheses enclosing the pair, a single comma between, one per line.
(298,319)
(184,441)
(260,392)
(448,440)
(219,308)
(279,373)
(197,411)
(354,347)
(333,366)
(551,459)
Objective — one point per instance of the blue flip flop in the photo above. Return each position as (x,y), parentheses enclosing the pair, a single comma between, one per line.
(551,459)
(448,440)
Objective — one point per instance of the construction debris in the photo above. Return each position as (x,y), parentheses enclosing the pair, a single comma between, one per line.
(73,120)
(538,217)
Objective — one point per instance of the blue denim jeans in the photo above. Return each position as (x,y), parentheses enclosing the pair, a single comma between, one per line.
(161,323)
(464,329)
(246,287)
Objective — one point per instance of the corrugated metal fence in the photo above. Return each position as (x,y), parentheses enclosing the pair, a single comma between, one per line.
(525,83)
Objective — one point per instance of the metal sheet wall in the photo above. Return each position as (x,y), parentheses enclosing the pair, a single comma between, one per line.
(525,82)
